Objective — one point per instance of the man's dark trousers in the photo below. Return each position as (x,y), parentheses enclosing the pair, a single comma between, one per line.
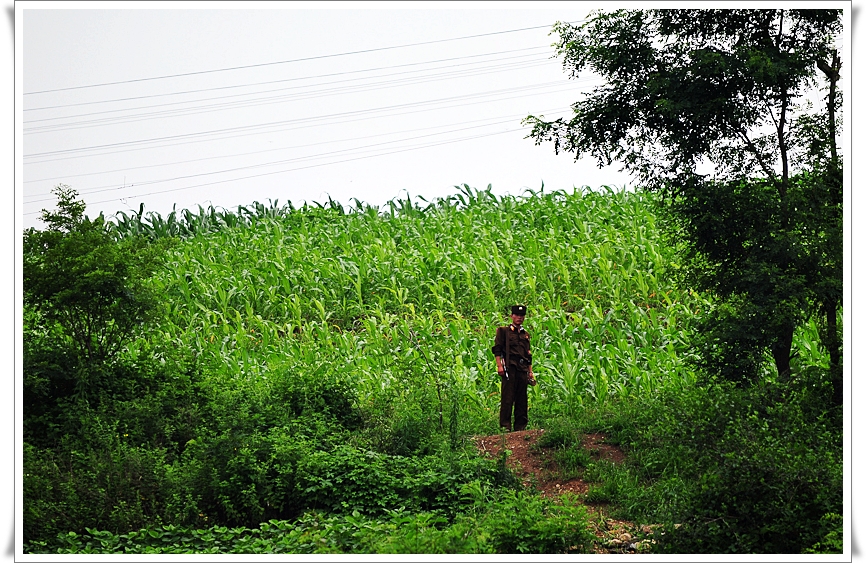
(514,397)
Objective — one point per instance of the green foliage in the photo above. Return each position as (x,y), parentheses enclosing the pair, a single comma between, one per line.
(743,470)
(561,435)
(317,392)
(613,483)
(310,381)
(117,487)
(77,276)
(86,298)
(558,433)
(832,540)
(760,259)
(153,226)
(571,460)
(348,479)
(112,464)
(709,107)
(402,304)
(411,433)
(700,84)
(531,525)
(514,523)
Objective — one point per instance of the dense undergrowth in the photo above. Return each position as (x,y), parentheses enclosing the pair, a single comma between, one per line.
(311,377)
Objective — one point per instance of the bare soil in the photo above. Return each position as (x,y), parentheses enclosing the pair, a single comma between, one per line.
(536,468)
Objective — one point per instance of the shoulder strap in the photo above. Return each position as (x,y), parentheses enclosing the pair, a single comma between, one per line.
(507,347)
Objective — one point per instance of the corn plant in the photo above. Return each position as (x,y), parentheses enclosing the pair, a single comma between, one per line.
(351,286)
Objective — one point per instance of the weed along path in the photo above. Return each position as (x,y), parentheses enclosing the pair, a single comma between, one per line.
(536,467)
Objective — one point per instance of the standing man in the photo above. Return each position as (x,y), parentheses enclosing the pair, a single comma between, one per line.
(514,364)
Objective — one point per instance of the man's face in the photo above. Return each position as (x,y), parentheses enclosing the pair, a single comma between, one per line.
(517,319)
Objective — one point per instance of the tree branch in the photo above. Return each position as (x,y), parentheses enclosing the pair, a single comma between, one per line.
(779,34)
(832,72)
(783,146)
(754,150)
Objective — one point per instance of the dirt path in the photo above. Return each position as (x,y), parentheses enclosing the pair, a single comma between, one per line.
(536,467)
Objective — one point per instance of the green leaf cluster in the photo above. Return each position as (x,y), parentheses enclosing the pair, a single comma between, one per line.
(516,523)
(735,470)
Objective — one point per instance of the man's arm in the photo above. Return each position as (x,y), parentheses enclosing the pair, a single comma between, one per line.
(498,350)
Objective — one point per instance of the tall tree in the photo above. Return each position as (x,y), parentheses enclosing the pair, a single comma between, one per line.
(710,108)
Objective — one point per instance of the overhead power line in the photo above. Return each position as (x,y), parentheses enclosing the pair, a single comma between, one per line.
(429,145)
(318,57)
(260,127)
(267,100)
(352,84)
(328,75)
(304,126)
(283,161)
(114,187)
(305,145)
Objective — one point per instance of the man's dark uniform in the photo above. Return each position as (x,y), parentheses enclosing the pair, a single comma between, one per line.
(512,345)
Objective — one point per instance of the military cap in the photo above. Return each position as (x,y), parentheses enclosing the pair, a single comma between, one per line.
(519,310)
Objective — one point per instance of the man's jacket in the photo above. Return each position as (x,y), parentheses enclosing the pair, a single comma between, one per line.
(512,344)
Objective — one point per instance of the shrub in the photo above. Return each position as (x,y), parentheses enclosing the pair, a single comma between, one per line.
(322,391)
(92,287)
(513,523)
(411,434)
(522,523)
(831,542)
(561,435)
(117,488)
(764,471)
(558,433)
(616,482)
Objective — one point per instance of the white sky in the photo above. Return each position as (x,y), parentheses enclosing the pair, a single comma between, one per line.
(428,118)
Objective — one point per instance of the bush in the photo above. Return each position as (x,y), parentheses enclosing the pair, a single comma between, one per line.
(117,488)
(511,523)
(411,434)
(348,479)
(321,392)
(243,479)
(763,468)
(832,524)
(559,433)
(563,436)
(88,288)
(522,523)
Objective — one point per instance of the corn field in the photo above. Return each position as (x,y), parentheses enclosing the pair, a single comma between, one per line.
(371,293)
(366,291)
